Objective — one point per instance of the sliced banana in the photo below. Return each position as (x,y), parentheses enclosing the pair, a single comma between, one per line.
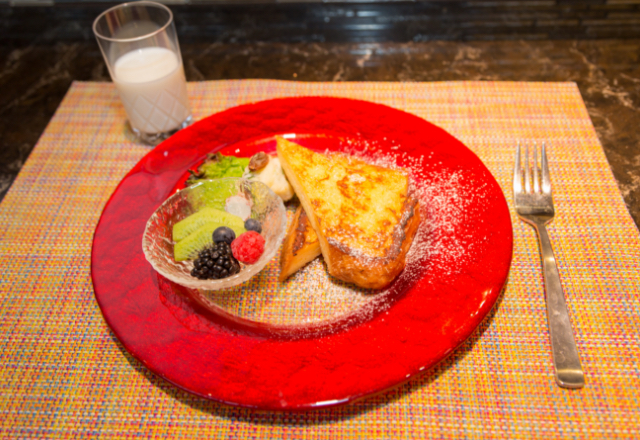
(273,176)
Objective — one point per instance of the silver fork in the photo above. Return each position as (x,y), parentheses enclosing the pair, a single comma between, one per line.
(534,205)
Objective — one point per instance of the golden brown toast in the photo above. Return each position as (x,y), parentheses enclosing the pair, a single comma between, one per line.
(300,246)
(363,214)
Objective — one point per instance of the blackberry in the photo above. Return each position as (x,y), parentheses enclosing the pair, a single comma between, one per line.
(215,262)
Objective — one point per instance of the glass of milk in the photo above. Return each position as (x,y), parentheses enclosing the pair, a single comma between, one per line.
(140,47)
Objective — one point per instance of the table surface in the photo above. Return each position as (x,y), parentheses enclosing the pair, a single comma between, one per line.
(44,49)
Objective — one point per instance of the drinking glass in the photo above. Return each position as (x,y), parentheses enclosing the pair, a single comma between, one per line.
(140,46)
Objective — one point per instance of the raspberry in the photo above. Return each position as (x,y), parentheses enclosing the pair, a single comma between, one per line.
(248,247)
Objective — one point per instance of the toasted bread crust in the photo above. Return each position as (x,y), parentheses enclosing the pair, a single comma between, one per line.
(377,272)
(300,246)
(362,213)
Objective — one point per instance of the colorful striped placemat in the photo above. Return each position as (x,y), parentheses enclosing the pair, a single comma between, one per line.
(63,374)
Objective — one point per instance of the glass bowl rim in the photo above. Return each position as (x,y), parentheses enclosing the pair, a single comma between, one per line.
(247,271)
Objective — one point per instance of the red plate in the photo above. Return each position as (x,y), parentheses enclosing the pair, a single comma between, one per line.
(437,303)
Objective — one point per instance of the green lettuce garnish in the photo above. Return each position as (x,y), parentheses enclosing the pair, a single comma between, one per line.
(217,166)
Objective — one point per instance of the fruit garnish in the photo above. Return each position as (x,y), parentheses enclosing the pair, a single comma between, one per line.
(213,193)
(175,259)
(238,205)
(217,166)
(224,234)
(258,161)
(267,169)
(188,247)
(251,224)
(206,215)
(248,247)
(215,262)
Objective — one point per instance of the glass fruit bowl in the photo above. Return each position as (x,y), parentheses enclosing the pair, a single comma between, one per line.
(157,240)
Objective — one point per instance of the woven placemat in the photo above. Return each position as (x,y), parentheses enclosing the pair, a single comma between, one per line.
(64,375)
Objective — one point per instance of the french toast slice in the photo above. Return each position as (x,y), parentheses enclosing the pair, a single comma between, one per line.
(363,214)
(300,246)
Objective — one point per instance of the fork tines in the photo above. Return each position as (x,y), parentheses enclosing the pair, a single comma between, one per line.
(529,175)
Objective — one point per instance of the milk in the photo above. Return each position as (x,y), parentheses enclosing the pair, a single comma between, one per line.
(153,89)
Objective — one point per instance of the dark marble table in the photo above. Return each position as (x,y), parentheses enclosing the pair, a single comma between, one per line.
(39,62)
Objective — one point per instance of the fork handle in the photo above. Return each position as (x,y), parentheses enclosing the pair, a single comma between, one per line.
(563,345)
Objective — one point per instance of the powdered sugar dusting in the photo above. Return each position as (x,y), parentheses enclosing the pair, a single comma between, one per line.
(444,243)
(445,239)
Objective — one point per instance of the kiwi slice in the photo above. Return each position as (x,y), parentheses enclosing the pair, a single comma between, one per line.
(187,226)
(188,247)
